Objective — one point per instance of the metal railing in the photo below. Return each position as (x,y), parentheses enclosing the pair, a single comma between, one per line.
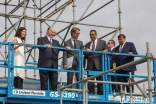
(105,72)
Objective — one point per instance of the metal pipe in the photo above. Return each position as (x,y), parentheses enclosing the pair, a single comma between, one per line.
(45,5)
(58,9)
(5,73)
(59,15)
(43,19)
(75,90)
(130,87)
(149,72)
(119,16)
(107,34)
(115,33)
(144,89)
(74,13)
(108,71)
(34,39)
(49,8)
(55,5)
(63,29)
(35,4)
(143,93)
(107,82)
(24,13)
(96,10)
(65,35)
(12,30)
(143,80)
(7,30)
(40,18)
(2,55)
(86,92)
(121,93)
(83,87)
(97,25)
(85,10)
(11,24)
(8,2)
(30,54)
(61,92)
(16,5)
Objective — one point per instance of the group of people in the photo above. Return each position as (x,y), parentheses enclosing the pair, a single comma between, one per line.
(48,58)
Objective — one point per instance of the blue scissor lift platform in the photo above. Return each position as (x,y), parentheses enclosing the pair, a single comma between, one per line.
(10,95)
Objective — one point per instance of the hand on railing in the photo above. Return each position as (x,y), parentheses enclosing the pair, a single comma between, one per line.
(65,67)
(131,53)
(48,45)
(105,51)
(67,47)
(88,50)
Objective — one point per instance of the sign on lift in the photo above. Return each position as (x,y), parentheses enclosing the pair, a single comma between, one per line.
(70,95)
(28,92)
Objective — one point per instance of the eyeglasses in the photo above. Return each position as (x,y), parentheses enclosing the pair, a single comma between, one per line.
(77,33)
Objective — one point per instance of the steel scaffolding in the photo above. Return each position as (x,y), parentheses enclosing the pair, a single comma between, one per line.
(39,10)
(43,14)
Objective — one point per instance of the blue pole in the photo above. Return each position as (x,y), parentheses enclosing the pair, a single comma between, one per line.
(80,53)
(154,72)
(103,76)
(108,67)
(12,64)
(106,78)
(9,81)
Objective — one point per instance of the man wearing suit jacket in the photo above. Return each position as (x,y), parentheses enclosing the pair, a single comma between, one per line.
(48,58)
(111,46)
(73,42)
(94,61)
(129,48)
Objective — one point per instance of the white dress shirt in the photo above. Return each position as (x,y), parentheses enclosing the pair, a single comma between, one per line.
(95,42)
(112,48)
(50,39)
(72,40)
(122,46)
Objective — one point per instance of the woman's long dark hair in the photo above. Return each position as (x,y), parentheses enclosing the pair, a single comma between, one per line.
(19,31)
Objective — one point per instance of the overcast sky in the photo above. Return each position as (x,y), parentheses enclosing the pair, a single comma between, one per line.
(138,21)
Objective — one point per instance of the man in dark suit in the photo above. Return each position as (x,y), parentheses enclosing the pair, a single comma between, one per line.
(111,46)
(129,48)
(73,42)
(94,61)
(48,58)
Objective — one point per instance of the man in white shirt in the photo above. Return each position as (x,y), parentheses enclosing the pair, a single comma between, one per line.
(73,42)
(94,61)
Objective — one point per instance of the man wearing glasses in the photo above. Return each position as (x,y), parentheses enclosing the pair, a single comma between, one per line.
(94,61)
(111,46)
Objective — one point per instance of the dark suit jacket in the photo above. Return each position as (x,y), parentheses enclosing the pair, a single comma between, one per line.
(120,60)
(48,56)
(70,53)
(112,58)
(93,58)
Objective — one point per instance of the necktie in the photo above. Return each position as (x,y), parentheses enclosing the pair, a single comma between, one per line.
(74,43)
(50,41)
(93,45)
(120,49)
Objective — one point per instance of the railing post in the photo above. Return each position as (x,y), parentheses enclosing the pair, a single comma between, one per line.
(149,56)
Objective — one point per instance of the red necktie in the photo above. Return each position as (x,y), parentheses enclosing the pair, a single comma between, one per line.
(93,45)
